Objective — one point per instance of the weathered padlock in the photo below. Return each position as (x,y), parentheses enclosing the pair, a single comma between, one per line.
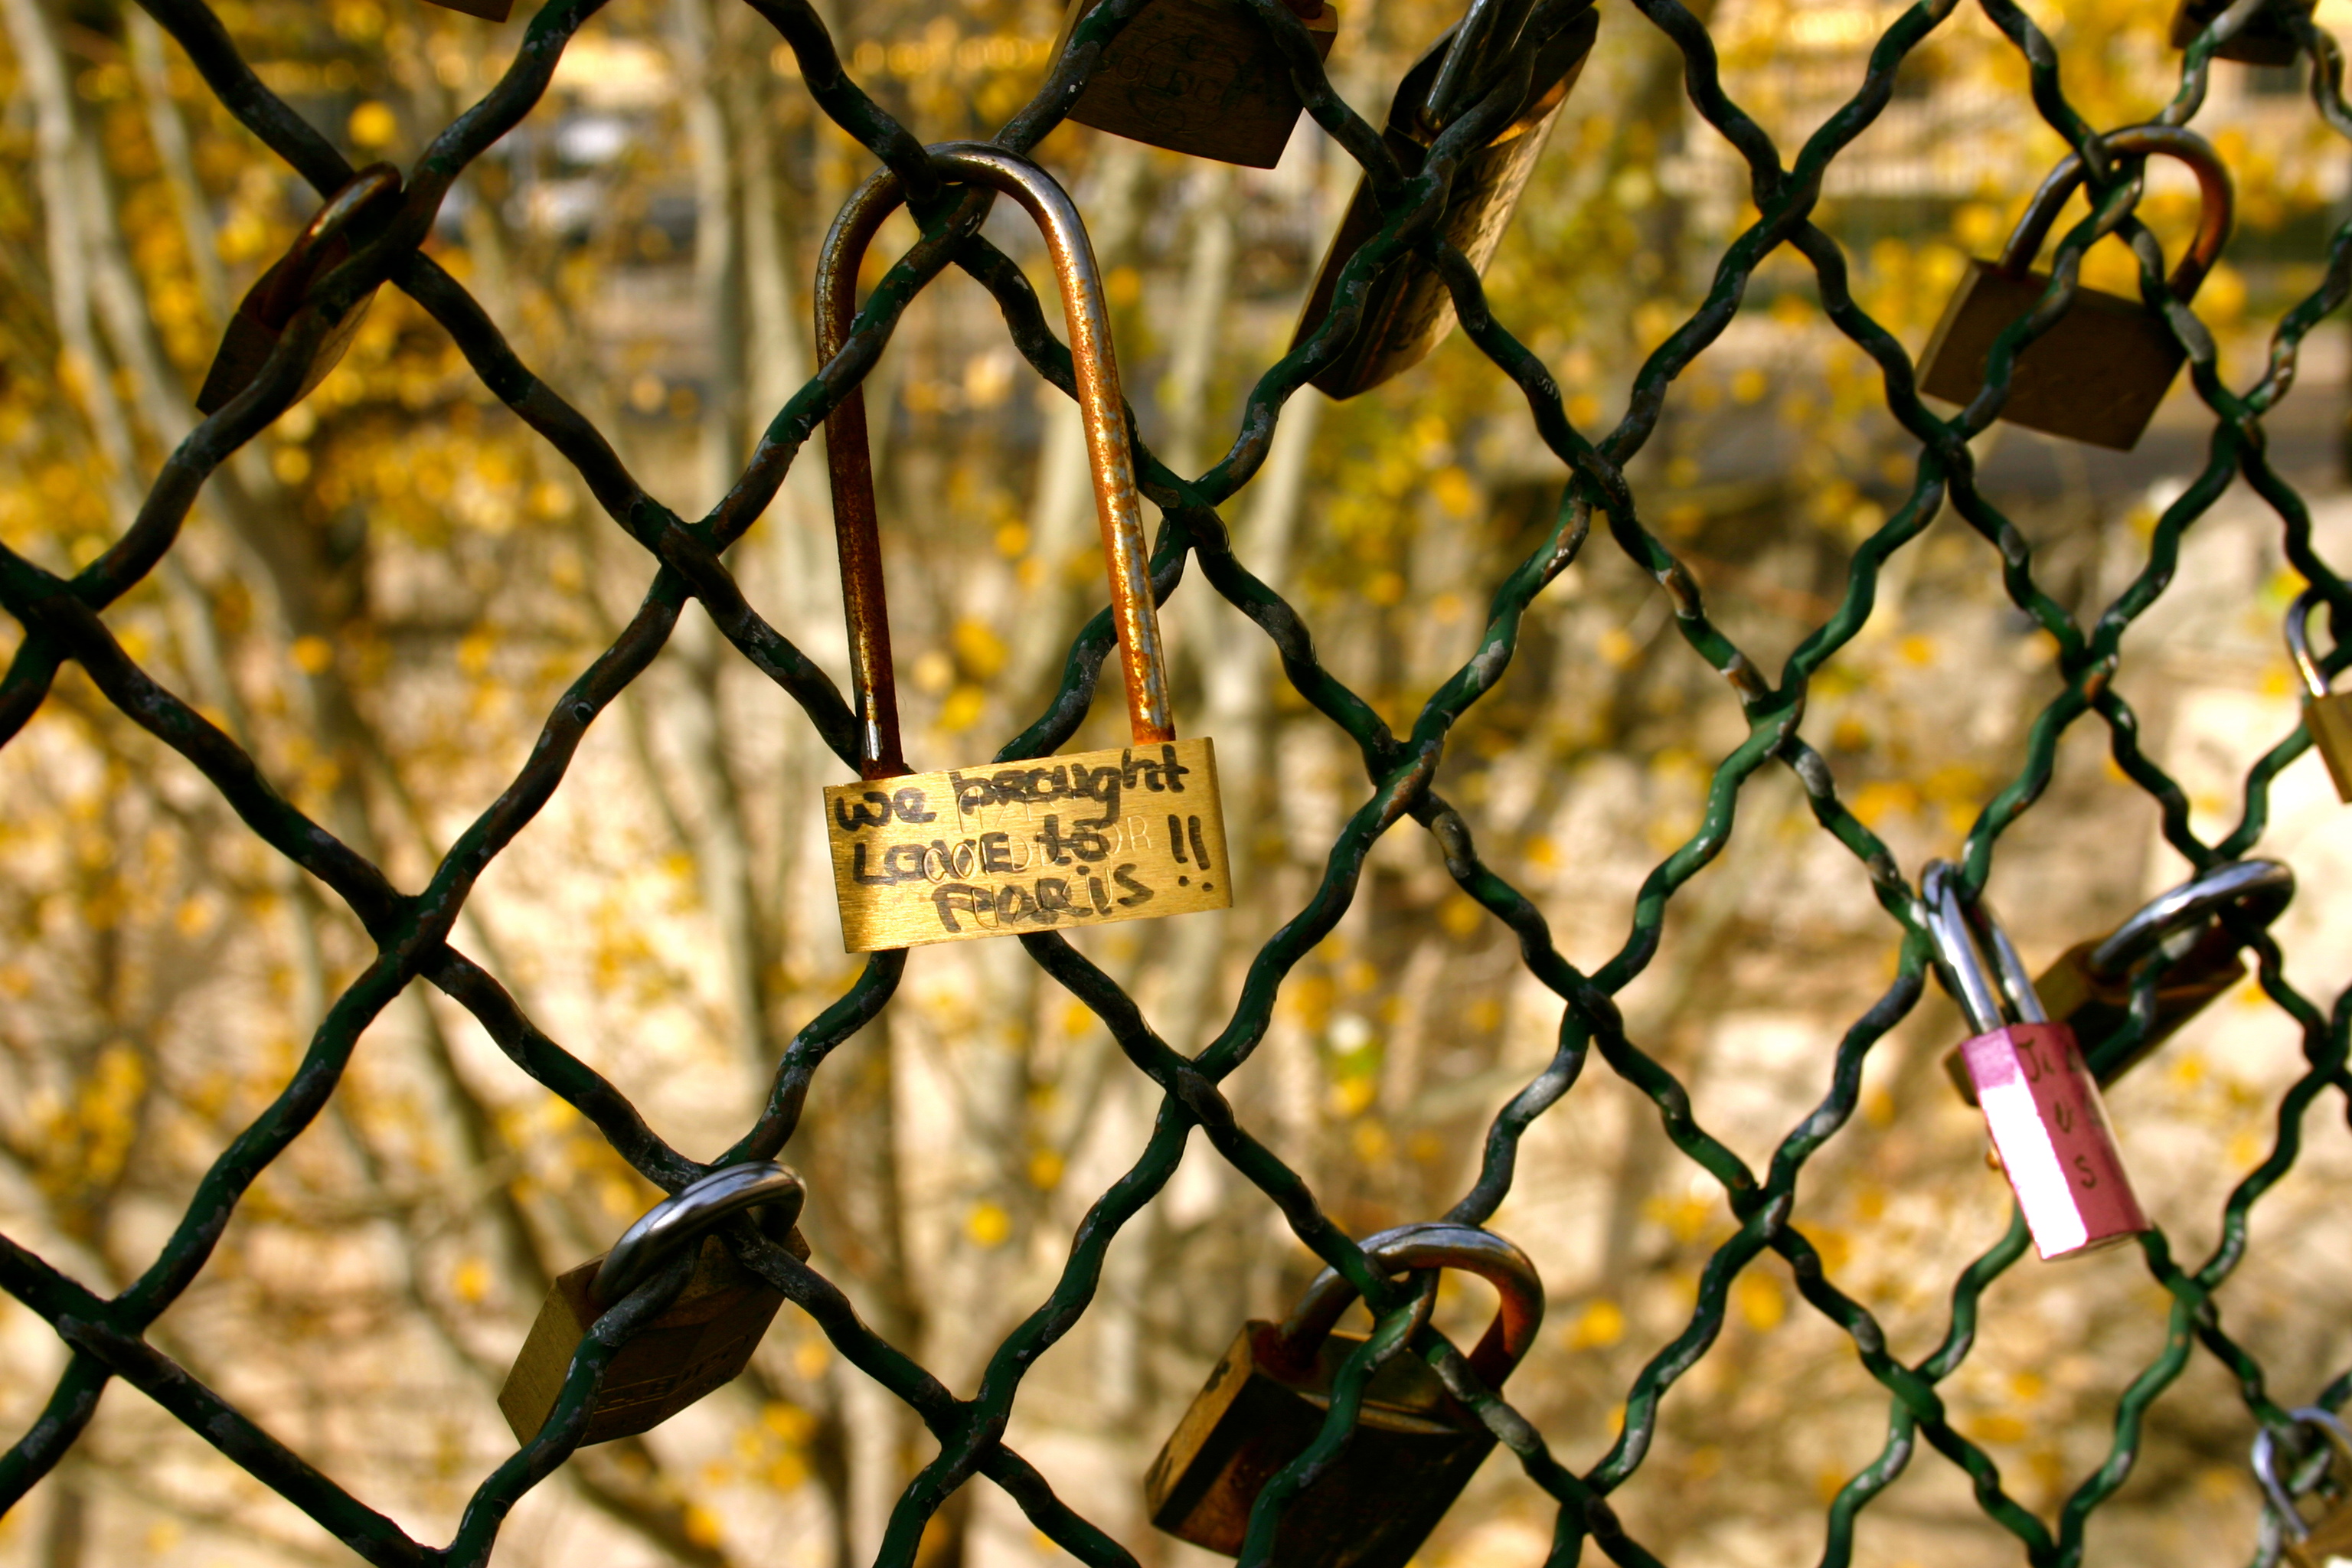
(2264,40)
(1415,1446)
(1202,77)
(1407,309)
(2040,1105)
(2098,373)
(1131,833)
(701,1341)
(2325,1542)
(2089,988)
(2328,715)
(261,316)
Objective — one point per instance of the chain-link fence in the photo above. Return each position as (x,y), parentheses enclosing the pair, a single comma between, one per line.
(62,620)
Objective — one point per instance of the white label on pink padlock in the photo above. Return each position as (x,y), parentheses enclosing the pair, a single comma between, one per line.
(2050,1128)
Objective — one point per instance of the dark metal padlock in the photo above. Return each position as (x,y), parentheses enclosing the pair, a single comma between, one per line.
(2305,1542)
(2098,373)
(2264,40)
(488,10)
(2089,988)
(2328,715)
(275,297)
(1202,77)
(2040,1102)
(1131,832)
(1407,309)
(1412,1452)
(701,1341)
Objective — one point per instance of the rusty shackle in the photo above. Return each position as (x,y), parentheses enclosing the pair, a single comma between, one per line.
(1100,405)
(1431,1246)
(2216,201)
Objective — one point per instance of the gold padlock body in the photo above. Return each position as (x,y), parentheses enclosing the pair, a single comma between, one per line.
(1131,833)
(1414,1450)
(2094,1008)
(701,1341)
(2329,1544)
(247,344)
(1408,311)
(2329,719)
(2264,40)
(2096,377)
(1200,77)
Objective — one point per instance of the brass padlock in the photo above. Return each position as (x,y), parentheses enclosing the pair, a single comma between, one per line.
(2089,988)
(261,316)
(1415,1446)
(1131,833)
(2325,1542)
(701,1341)
(2264,40)
(1407,309)
(2040,1105)
(2098,373)
(2328,715)
(1202,77)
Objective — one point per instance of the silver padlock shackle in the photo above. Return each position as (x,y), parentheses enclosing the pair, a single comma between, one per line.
(1475,45)
(1963,935)
(2265,1462)
(1437,1246)
(688,1215)
(2298,641)
(1102,408)
(2138,140)
(2260,889)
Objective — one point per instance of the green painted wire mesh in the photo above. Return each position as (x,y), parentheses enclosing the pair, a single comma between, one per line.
(62,620)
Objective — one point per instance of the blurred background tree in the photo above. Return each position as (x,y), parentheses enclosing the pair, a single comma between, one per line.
(379,597)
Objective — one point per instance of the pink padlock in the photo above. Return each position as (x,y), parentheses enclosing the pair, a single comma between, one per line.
(2039,1101)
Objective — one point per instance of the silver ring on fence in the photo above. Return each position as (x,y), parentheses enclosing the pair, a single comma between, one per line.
(689,1214)
(2265,1462)
(2260,887)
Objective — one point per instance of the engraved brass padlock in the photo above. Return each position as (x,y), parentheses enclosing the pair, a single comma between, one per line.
(275,297)
(1407,309)
(2089,988)
(2328,715)
(1412,1452)
(2305,1542)
(1131,833)
(2041,1104)
(1202,77)
(701,1341)
(2098,373)
(2264,40)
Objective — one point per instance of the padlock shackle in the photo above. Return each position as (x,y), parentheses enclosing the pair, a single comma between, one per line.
(688,1214)
(1966,933)
(294,273)
(1473,47)
(2260,889)
(1101,406)
(2298,642)
(2266,1463)
(1439,1246)
(2214,215)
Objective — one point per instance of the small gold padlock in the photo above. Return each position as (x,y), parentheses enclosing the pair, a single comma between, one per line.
(1131,833)
(2264,40)
(2325,1542)
(1415,1446)
(1201,77)
(701,1341)
(275,297)
(2328,715)
(1408,311)
(2089,988)
(2100,371)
